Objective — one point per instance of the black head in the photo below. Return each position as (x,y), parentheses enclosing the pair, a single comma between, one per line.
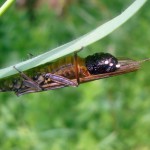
(100,63)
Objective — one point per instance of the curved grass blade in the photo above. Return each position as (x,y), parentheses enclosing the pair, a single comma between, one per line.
(78,43)
(5,6)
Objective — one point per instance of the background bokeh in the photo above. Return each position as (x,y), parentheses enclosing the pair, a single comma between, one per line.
(108,114)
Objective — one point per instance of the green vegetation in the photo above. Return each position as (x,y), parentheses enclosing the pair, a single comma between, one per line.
(5,6)
(107,114)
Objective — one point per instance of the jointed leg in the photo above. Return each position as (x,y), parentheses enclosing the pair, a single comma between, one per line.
(76,65)
(60,79)
(26,90)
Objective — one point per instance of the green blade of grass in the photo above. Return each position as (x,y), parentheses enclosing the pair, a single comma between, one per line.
(5,6)
(76,44)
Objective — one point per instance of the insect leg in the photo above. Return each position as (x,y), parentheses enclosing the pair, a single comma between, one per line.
(79,50)
(76,67)
(60,79)
(76,64)
(46,87)
(20,92)
(28,81)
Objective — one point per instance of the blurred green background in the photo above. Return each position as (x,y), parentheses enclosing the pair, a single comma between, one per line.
(108,114)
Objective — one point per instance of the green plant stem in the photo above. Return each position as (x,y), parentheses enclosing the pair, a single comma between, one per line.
(5,6)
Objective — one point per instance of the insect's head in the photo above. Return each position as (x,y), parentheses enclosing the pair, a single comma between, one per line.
(101,63)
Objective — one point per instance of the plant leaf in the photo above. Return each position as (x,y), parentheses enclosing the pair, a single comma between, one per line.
(5,6)
(76,44)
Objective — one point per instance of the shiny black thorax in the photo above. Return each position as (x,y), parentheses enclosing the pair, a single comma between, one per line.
(100,63)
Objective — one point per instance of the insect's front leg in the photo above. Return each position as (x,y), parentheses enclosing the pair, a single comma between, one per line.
(60,79)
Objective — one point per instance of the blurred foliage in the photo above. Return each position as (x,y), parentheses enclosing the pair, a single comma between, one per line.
(108,114)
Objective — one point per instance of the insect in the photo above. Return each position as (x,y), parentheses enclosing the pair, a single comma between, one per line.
(67,71)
